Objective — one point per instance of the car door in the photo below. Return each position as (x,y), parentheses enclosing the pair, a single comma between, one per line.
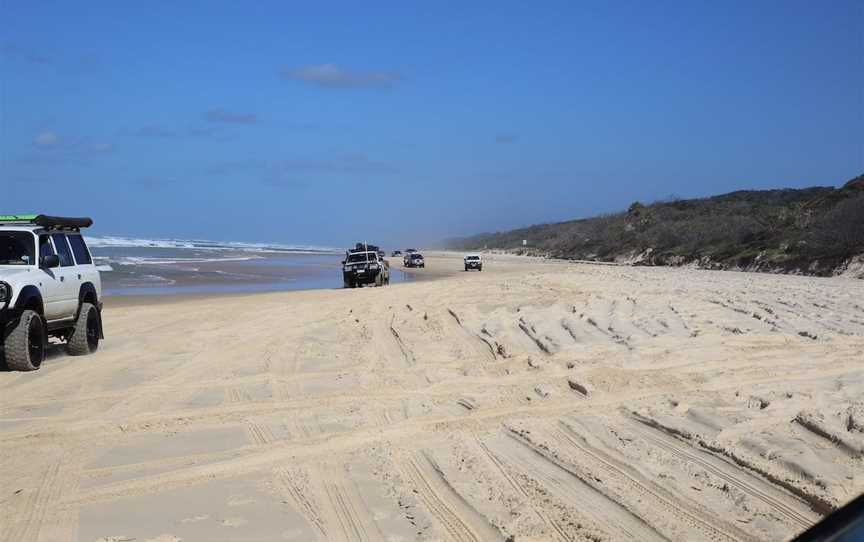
(49,281)
(68,275)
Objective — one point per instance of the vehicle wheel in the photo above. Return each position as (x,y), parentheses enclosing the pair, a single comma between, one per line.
(466,268)
(85,335)
(480,268)
(25,346)
(379,280)
(346,284)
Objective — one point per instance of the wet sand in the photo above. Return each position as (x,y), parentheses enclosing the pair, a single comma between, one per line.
(541,400)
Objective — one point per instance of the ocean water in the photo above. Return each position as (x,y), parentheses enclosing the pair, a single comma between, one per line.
(180,266)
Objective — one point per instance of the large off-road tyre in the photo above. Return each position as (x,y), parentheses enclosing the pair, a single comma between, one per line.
(379,280)
(346,284)
(25,346)
(466,268)
(85,335)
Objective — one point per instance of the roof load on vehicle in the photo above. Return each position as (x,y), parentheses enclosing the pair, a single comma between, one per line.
(363,247)
(50,222)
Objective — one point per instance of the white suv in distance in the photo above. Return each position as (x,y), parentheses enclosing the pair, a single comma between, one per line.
(49,287)
(473,261)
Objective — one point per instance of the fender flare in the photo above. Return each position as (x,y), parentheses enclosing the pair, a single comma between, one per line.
(89,290)
(28,295)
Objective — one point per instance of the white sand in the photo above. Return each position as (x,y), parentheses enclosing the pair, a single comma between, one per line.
(544,400)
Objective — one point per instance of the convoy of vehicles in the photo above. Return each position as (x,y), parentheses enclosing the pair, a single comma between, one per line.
(364,264)
(473,261)
(49,287)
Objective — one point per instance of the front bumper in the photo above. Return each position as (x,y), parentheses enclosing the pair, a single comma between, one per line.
(473,265)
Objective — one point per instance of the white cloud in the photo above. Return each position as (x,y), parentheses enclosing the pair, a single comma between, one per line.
(334,76)
(46,140)
(101,147)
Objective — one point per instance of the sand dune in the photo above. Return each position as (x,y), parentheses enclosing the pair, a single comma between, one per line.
(536,400)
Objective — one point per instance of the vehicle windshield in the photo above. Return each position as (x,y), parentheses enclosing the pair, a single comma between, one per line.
(361,257)
(17,248)
(472,258)
(416,256)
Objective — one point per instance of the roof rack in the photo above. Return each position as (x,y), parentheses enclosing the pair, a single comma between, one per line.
(49,222)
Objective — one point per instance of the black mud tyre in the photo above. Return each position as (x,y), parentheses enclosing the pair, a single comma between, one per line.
(346,284)
(25,346)
(379,280)
(85,335)
(466,268)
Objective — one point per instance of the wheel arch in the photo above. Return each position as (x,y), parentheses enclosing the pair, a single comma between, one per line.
(30,298)
(88,294)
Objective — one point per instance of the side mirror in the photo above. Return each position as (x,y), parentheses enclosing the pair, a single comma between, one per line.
(343,262)
(50,261)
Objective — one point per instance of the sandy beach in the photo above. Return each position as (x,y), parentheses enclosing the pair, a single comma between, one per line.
(537,400)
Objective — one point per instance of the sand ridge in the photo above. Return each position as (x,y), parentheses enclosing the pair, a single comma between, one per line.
(538,400)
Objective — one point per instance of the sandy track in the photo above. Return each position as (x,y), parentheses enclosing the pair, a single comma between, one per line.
(542,400)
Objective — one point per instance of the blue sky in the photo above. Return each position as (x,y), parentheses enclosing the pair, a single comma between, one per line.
(333,122)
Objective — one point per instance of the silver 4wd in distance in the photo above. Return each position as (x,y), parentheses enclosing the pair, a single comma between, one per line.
(49,287)
(473,261)
(364,267)
(414,259)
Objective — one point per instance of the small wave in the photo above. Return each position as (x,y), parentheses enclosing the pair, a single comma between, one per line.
(143,260)
(111,241)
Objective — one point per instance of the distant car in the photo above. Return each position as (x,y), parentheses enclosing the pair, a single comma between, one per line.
(473,261)
(396,253)
(415,259)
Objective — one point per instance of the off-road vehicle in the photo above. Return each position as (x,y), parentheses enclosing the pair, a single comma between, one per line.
(49,287)
(473,261)
(415,259)
(363,265)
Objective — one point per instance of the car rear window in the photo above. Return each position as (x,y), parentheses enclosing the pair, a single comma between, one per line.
(79,249)
(361,257)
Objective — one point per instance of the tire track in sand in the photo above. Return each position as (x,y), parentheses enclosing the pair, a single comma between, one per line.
(706,526)
(449,510)
(554,527)
(606,517)
(748,484)
(33,513)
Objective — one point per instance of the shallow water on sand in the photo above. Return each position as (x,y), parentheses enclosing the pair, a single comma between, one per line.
(161,271)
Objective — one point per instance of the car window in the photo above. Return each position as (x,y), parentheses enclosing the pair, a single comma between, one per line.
(79,249)
(62,249)
(361,257)
(16,248)
(45,247)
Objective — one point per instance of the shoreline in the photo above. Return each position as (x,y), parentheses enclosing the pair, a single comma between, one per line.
(147,298)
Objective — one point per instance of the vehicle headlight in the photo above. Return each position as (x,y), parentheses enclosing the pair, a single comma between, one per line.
(373,266)
(5,293)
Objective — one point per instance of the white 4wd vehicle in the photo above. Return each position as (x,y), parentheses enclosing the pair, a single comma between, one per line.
(49,286)
(473,261)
